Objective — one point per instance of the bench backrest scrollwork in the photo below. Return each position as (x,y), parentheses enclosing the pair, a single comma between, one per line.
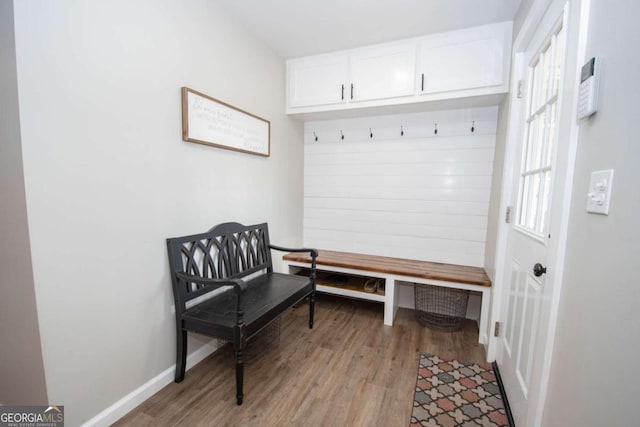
(227,251)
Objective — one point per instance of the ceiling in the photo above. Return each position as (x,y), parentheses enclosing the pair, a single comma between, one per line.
(296,28)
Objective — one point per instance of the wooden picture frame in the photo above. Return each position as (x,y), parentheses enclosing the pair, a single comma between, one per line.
(209,121)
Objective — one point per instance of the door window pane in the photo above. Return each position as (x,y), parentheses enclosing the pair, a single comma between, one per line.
(546,73)
(545,199)
(559,56)
(551,131)
(540,142)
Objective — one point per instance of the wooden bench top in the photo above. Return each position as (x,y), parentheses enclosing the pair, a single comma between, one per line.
(397,266)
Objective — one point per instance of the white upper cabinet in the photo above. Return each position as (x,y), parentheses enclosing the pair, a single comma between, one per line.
(466,59)
(462,64)
(381,72)
(318,80)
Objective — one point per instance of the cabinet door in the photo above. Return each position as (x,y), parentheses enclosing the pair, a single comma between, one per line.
(465,59)
(318,80)
(385,71)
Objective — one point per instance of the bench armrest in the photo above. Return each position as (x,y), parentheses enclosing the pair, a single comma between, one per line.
(239,285)
(239,288)
(313,252)
(314,255)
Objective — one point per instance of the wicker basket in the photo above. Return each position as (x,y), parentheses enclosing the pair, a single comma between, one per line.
(441,308)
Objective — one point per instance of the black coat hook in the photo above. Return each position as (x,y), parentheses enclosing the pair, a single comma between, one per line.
(401,131)
(315,136)
(370,133)
(435,128)
(473,126)
(341,135)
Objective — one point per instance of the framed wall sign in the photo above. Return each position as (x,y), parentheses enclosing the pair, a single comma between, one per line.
(208,121)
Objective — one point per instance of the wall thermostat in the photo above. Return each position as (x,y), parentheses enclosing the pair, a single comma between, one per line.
(588,93)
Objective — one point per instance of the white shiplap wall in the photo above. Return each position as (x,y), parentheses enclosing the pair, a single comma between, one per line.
(420,196)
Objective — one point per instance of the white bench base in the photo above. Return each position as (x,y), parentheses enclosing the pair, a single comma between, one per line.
(390,297)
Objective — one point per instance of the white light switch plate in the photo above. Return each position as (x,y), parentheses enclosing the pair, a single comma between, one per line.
(599,196)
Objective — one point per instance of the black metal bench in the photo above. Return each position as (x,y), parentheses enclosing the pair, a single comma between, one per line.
(229,270)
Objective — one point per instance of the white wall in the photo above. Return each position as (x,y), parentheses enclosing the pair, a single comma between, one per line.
(595,368)
(419,196)
(495,216)
(108,177)
(21,370)
(523,11)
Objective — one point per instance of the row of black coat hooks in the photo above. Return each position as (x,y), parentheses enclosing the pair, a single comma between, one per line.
(435,131)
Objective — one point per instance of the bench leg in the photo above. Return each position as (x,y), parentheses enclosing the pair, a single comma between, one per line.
(239,375)
(312,303)
(181,354)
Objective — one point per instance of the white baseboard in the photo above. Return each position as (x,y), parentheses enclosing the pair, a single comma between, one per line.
(484,340)
(123,406)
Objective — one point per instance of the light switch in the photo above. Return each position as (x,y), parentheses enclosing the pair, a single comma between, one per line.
(599,196)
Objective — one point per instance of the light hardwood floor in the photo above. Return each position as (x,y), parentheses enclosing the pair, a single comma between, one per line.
(350,370)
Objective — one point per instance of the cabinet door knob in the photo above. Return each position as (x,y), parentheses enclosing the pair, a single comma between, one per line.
(342,93)
(422,84)
(351,90)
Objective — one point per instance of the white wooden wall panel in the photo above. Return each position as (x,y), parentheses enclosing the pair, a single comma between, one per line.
(422,231)
(405,206)
(421,195)
(407,170)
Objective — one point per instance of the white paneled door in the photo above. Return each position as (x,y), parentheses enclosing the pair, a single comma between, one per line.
(541,160)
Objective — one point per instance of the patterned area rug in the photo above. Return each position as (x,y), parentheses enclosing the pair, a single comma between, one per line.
(450,393)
